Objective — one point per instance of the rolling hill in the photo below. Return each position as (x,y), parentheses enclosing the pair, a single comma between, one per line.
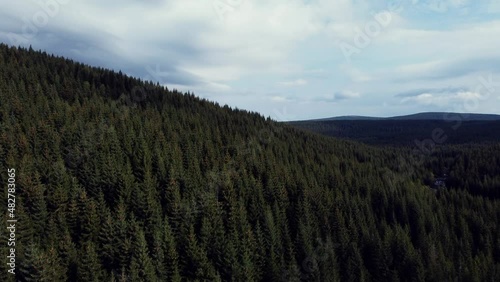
(422,116)
(408,130)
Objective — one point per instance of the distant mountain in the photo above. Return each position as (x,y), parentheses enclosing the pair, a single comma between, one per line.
(447,116)
(424,116)
(404,130)
(351,118)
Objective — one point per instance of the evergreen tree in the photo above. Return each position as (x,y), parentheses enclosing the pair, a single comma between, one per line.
(89,267)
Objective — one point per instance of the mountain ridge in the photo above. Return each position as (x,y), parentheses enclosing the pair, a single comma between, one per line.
(419,116)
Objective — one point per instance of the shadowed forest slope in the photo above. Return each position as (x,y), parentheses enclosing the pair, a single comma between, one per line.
(455,129)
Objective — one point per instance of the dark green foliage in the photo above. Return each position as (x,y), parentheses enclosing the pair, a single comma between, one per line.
(404,132)
(89,266)
(115,186)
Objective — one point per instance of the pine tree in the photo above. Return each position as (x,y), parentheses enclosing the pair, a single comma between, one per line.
(197,265)
(142,258)
(31,265)
(89,267)
(68,254)
(90,220)
(53,269)
(106,241)
(171,262)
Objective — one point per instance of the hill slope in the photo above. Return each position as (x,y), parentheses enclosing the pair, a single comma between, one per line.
(409,132)
(120,179)
(424,116)
(449,116)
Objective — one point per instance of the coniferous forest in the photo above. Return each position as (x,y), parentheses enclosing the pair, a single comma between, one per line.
(118,179)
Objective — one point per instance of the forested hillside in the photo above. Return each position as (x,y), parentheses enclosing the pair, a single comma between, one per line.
(456,129)
(119,179)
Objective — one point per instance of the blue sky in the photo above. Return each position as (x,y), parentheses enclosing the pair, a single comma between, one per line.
(287,59)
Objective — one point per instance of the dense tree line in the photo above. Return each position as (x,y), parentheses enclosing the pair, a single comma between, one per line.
(453,129)
(120,179)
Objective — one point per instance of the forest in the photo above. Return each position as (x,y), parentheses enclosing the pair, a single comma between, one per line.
(120,179)
(456,129)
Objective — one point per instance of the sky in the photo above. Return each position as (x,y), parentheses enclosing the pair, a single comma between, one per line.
(286,59)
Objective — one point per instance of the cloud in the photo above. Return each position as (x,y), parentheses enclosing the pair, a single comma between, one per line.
(185,37)
(448,99)
(443,69)
(417,92)
(494,7)
(297,82)
(342,95)
(356,74)
(171,75)
(424,98)
(441,52)
(338,96)
(442,6)
(278,99)
(260,47)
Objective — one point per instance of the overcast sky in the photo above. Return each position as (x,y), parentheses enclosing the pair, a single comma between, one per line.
(287,59)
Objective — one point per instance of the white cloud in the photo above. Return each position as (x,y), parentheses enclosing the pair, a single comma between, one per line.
(191,32)
(424,98)
(413,70)
(278,99)
(262,46)
(346,94)
(356,74)
(412,44)
(444,99)
(332,98)
(494,7)
(297,82)
(442,6)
